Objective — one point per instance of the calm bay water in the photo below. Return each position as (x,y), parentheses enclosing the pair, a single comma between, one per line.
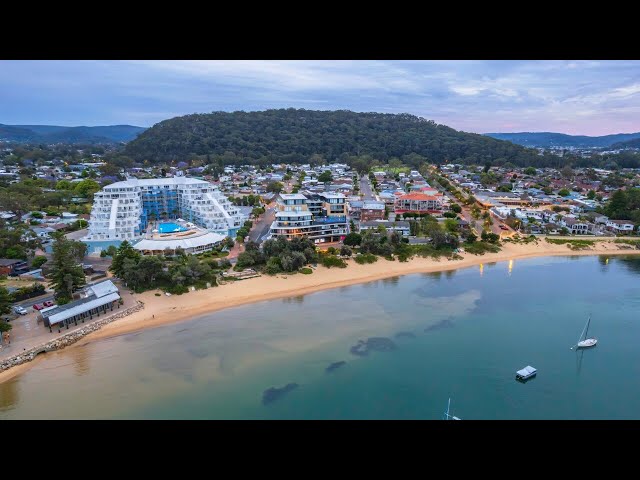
(473,329)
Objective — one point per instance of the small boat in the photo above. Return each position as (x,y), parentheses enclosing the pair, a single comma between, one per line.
(526,373)
(446,414)
(583,341)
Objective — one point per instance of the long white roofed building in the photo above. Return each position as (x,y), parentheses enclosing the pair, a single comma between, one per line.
(123,210)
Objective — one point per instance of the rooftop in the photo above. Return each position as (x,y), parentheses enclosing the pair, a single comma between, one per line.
(146,182)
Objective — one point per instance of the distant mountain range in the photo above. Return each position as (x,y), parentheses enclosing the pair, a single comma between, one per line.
(550,139)
(57,134)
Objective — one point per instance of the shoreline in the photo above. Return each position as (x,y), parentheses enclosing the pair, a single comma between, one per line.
(162,310)
(165,310)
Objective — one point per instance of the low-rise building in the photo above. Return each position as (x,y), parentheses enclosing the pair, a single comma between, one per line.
(95,300)
(620,226)
(12,266)
(418,203)
(577,227)
(401,227)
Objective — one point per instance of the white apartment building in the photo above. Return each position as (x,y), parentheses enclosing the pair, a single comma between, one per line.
(321,216)
(124,210)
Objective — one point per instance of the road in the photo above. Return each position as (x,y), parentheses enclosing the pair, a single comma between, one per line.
(261,227)
(365,188)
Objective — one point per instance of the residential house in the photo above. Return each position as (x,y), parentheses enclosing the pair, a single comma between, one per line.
(401,227)
(620,226)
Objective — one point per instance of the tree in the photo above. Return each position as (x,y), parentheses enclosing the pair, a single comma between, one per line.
(66,272)
(325,177)
(5,301)
(451,225)
(5,326)
(274,187)
(86,188)
(39,261)
(125,251)
(591,194)
(345,251)
(456,208)
(567,172)
(530,171)
(471,237)
(490,237)
(564,192)
(353,239)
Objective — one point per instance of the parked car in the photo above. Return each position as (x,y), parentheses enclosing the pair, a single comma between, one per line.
(38,306)
(20,310)
(48,303)
(504,227)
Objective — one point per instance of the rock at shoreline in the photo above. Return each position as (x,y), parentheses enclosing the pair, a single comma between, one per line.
(405,335)
(446,323)
(334,366)
(272,394)
(378,344)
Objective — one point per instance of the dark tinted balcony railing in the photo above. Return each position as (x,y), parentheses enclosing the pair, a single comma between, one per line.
(334,219)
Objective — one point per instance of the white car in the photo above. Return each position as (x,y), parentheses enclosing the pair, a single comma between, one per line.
(20,310)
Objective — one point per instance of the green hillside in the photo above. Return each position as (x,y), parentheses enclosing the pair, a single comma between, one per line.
(291,135)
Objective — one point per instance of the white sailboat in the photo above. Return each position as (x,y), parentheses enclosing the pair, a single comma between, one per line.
(446,414)
(583,341)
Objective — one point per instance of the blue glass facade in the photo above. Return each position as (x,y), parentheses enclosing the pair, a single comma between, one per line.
(159,203)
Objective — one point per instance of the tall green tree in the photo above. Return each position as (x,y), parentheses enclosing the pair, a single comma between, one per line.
(325,177)
(66,272)
(5,301)
(125,251)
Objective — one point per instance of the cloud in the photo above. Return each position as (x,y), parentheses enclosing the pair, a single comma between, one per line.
(589,97)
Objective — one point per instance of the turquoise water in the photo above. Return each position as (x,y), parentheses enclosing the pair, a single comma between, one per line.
(170,227)
(473,329)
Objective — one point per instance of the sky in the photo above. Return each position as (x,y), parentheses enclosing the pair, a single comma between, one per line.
(584,97)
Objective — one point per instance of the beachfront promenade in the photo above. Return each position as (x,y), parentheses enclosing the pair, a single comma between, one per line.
(28,333)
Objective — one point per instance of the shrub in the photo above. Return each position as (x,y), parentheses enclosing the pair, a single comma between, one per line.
(364,258)
(306,271)
(333,261)
(273,266)
(39,261)
(224,264)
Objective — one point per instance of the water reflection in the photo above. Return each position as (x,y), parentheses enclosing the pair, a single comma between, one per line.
(510,267)
(450,274)
(82,363)
(9,394)
(299,299)
(481,269)
(391,280)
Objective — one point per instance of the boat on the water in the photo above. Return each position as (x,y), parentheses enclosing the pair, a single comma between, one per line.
(583,341)
(447,416)
(526,373)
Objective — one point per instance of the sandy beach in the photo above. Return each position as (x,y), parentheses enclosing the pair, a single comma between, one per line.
(161,310)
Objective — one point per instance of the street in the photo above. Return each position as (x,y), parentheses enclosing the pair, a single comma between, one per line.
(365,188)
(262,226)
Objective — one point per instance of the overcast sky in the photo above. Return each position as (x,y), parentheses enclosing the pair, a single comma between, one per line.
(575,97)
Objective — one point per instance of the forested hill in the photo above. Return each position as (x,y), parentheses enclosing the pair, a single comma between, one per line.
(58,134)
(550,139)
(635,143)
(291,135)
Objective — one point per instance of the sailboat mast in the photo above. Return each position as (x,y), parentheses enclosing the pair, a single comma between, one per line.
(587,329)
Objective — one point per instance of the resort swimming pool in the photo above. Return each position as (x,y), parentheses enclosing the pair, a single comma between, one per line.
(170,227)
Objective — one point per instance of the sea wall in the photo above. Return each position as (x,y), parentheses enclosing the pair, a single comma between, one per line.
(66,339)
